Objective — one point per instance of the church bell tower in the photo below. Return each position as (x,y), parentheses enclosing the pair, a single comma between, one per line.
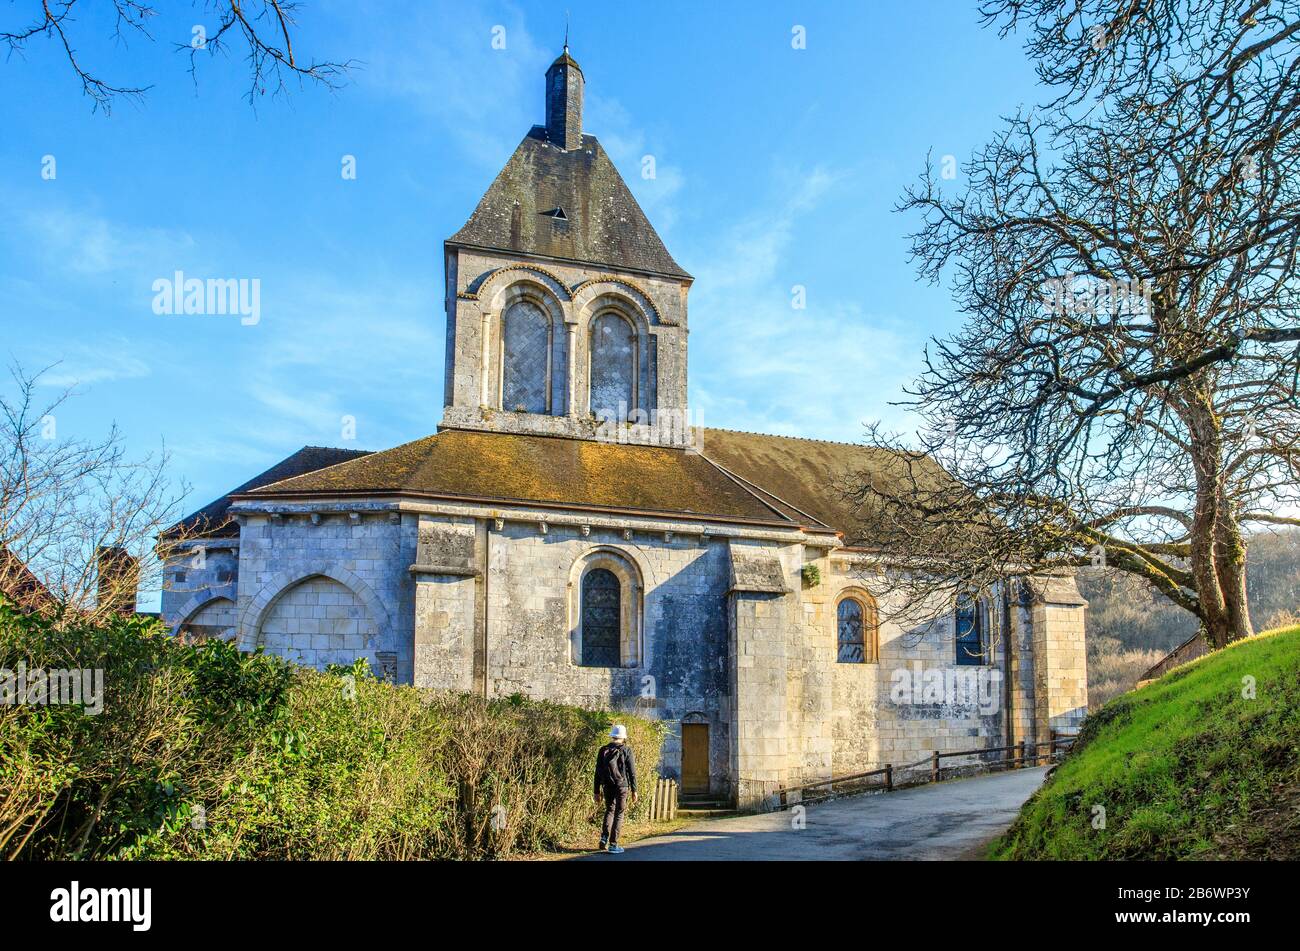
(566,315)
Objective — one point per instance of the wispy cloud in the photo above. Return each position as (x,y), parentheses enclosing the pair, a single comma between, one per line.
(758,362)
(367,344)
(484,97)
(656,183)
(447,68)
(109,360)
(370,349)
(83,243)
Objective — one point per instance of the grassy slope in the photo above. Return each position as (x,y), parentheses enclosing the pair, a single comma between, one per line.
(1186,767)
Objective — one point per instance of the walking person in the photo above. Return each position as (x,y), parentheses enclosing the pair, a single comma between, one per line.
(615,779)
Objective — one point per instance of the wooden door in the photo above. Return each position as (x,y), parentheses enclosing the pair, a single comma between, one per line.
(695,758)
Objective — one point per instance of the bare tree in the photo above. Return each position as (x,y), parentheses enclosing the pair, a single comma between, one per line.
(1124,389)
(259,30)
(78,519)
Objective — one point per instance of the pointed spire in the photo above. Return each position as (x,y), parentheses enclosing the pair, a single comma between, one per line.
(564,86)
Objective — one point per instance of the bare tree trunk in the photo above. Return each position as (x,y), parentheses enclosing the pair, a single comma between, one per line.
(1230,566)
(1207,457)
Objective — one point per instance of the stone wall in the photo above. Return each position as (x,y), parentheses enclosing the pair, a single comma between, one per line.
(367,553)
(203,571)
(526,585)
(888,712)
(725,631)
(1060,655)
(217,618)
(763,615)
(882,712)
(320,621)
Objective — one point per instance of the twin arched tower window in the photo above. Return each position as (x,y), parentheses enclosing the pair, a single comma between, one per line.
(613,367)
(526,358)
(528,352)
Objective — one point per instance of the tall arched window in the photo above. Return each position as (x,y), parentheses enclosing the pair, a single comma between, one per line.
(602,615)
(613,367)
(525,358)
(856,627)
(971,648)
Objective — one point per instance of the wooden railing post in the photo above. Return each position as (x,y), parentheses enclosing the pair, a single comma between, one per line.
(889,776)
(1020,755)
(934,767)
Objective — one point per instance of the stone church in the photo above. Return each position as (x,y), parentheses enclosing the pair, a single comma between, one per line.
(566,535)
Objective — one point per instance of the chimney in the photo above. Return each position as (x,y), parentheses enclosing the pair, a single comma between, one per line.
(564,84)
(119,574)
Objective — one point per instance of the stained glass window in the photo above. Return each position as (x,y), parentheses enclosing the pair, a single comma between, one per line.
(852,644)
(601,618)
(970,632)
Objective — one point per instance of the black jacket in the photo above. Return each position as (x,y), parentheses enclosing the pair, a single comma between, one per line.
(615,767)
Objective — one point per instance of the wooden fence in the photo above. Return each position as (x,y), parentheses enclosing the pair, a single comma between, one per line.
(1021,754)
(663,800)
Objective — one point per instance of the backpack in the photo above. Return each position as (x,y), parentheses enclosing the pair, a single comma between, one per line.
(613,765)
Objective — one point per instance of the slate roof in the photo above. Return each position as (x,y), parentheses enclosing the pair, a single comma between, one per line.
(604,226)
(214,521)
(553,470)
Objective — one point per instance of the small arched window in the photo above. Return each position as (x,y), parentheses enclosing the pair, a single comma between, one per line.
(525,358)
(855,618)
(215,619)
(602,615)
(613,367)
(971,648)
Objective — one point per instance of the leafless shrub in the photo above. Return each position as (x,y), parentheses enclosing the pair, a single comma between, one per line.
(78,518)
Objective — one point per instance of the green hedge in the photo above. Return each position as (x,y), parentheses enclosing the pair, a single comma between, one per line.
(202,752)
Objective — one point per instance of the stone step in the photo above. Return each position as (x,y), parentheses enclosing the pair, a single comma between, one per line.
(696,812)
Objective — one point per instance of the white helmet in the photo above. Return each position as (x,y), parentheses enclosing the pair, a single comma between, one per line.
(618,732)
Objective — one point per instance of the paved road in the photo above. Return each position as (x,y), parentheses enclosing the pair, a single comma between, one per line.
(945,821)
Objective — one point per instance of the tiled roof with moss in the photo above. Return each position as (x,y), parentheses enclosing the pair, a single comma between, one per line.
(214,521)
(812,479)
(739,475)
(517,468)
(570,205)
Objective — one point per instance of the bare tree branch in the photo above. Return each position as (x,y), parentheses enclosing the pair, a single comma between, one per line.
(1123,391)
(260,30)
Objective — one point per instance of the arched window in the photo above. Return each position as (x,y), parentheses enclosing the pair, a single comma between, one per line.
(856,625)
(525,358)
(970,632)
(613,367)
(216,618)
(602,616)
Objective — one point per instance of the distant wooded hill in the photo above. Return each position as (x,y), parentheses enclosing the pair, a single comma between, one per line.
(1130,627)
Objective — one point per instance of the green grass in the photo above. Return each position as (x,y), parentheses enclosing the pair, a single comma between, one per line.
(1187,767)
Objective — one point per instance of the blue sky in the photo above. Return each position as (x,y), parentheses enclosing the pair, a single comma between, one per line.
(775,167)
